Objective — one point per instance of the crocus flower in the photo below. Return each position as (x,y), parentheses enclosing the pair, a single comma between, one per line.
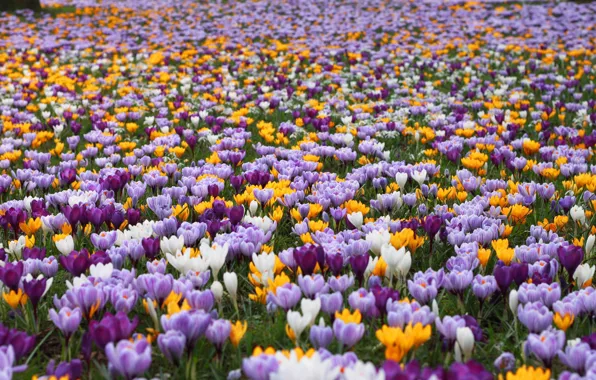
(218,332)
(546,345)
(535,316)
(570,257)
(321,335)
(66,320)
(192,324)
(76,262)
(129,359)
(172,344)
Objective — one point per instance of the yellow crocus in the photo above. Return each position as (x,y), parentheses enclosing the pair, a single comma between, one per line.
(237,332)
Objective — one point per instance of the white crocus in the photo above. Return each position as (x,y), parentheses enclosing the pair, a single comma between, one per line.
(583,275)
(356,218)
(405,264)
(298,322)
(363,370)
(513,301)
(254,205)
(401,179)
(590,244)
(216,256)
(65,245)
(15,247)
(577,214)
(419,176)
(217,290)
(77,282)
(101,270)
(310,308)
(377,239)
(465,343)
(184,262)
(265,264)
(435,308)
(264,223)
(172,244)
(392,258)
(231,283)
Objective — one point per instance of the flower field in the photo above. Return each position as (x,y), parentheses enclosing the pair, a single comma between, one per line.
(298,190)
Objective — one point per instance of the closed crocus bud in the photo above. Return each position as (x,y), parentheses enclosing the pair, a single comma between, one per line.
(254,205)
(513,301)
(465,342)
(217,290)
(590,244)
(356,218)
(583,275)
(231,283)
(321,335)
(401,179)
(404,264)
(435,308)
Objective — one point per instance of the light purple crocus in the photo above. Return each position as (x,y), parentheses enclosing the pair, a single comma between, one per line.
(66,320)
(192,324)
(218,332)
(347,334)
(129,359)
(312,285)
(574,356)
(546,345)
(286,296)
(535,316)
(104,240)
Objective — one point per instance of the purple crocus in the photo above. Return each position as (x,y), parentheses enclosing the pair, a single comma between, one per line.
(104,240)
(66,320)
(535,316)
(129,359)
(286,296)
(35,289)
(546,345)
(259,367)
(469,370)
(192,324)
(359,263)
(448,328)
(77,262)
(11,274)
(505,362)
(570,257)
(347,334)
(306,257)
(21,343)
(112,328)
(484,286)
(200,300)
(172,345)
(218,332)
(331,303)
(422,290)
(68,370)
(574,356)
(312,285)
(320,335)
